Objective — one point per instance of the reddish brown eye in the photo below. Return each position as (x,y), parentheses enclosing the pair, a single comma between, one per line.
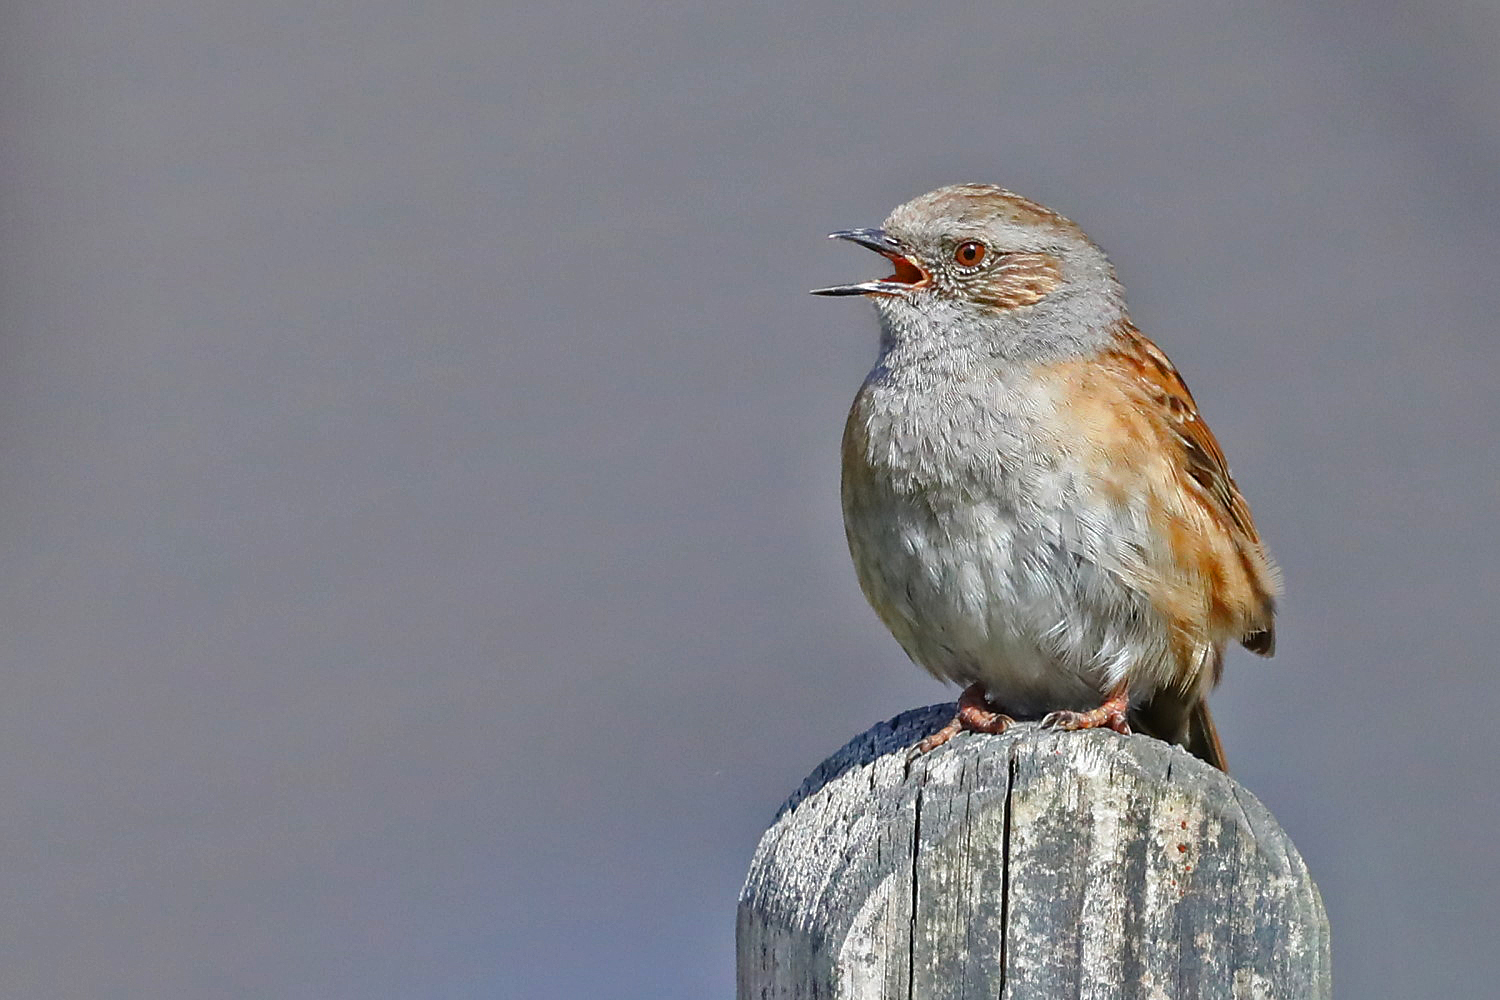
(969,254)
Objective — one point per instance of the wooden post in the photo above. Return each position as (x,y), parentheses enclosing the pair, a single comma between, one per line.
(1026,866)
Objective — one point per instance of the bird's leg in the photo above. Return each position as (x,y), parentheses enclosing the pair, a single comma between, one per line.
(1111,714)
(975,713)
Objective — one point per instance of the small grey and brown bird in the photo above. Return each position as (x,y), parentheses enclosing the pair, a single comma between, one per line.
(1034,506)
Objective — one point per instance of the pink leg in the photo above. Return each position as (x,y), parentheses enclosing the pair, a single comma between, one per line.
(975,714)
(1110,715)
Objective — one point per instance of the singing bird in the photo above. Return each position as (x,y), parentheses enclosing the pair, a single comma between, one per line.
(1034,506)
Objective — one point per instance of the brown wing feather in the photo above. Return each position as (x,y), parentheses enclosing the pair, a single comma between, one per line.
(1207,473)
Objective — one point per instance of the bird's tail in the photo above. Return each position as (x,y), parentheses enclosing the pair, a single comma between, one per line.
(1203,739)
(1184,720)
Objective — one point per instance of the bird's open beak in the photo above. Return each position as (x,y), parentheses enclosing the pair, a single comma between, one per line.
(908,275)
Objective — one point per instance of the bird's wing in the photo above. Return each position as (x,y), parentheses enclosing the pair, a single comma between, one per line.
(1204,473)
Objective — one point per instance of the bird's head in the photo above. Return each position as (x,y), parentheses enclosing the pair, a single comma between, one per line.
(979,262)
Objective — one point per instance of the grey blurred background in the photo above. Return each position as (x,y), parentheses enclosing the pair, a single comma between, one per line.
(423,573)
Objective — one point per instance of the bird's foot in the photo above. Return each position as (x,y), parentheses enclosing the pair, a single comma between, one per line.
(1110,715)
(975,714)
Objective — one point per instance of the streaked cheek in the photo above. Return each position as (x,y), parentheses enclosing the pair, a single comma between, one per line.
(1020,279)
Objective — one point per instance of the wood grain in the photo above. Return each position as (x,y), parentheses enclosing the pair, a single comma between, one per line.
(1024,866)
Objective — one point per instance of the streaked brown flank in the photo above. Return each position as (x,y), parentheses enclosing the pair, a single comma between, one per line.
(1210,576)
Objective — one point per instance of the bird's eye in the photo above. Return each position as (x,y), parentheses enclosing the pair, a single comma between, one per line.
(969,254)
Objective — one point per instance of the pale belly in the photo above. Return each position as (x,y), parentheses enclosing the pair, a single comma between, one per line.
(1003,579)
(972,598)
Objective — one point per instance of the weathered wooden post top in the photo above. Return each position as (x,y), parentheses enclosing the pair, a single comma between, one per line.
(1023,866)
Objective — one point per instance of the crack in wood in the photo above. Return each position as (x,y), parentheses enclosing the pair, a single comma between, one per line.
(916,856)
(1010,791)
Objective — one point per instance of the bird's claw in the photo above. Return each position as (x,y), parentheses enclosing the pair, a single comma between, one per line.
(975,714)
(1098,718)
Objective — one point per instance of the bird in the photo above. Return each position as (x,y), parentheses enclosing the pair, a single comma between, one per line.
(1034,506)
